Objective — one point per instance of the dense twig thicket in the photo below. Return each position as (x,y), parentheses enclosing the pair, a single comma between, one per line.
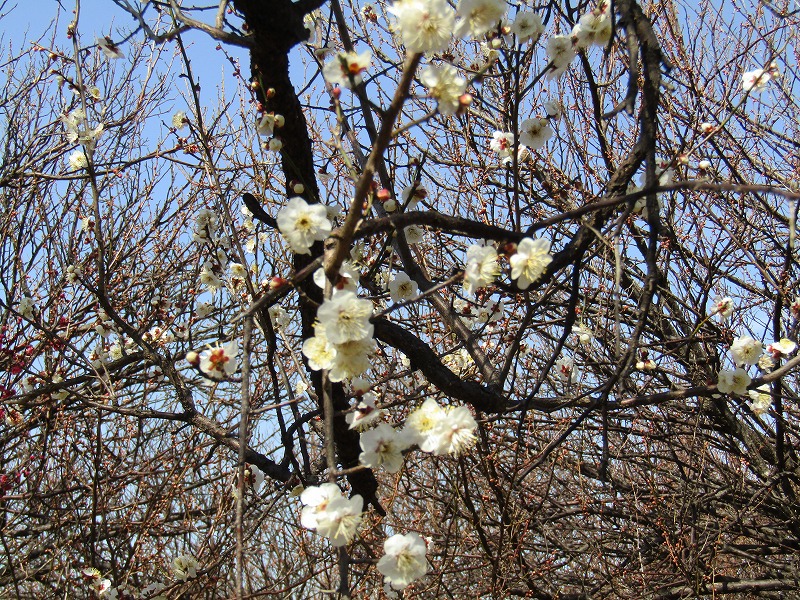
(480,299)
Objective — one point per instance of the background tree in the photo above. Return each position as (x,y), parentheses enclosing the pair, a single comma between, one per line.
(477,300)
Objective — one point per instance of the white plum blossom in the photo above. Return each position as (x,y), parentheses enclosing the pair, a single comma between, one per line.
(585,335)
(209,278)
(760,399)
(345,318)
(445,85)
(723,307)
(78,129)
(319,351)
(315,500)
(266,125)
(553,109)
(782,348)
(565,369)
(302,224)
(345,68)
(481,269)
(425,25)
(365,412)
(758,79)
(383,445)
(331,514)
(203,309)
(421,423)
(77,160)
(478,16)
(527,26)
(404,560)
(560,53)
(535,133)
(411,196)
(402,288)
(179,120)
(352,359)
(220,361)
(489,312)
(455,433)
(26,306)
(347,280)
(414,234)
(502,143)
(237,270)
(279,316)
(185,567)
(733,382)
(746,351)
(109,48)
(530,261)
(594,27)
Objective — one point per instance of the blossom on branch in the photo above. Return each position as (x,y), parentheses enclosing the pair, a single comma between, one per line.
(478,16)
(746,351)
(220,361)
(404,560)
(302,224)
(733,382)
(345,68)
(527,26)
(481,269)
(445,86)
(383,445)
(535,133)
(425,25)
(530,261)
(332,515)
(560,53)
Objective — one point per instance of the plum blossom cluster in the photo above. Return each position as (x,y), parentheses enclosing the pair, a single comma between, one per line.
(342,341)
(528,264)
(328,512)
(745,352)
(79,130)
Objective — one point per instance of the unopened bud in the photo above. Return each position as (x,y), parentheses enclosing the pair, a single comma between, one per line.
(193,358)
(383,195)
(706,128)
(277,282)
(298,188)
(254,85)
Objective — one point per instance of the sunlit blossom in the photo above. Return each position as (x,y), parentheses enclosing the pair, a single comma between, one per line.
(476,17)
(746,350)
(527,26)
(424,25)
(345,68)
(530,261)
(733,382)
(382,446)
(481,269)
(220,361)
(302,224)
(445,85)
(404,560)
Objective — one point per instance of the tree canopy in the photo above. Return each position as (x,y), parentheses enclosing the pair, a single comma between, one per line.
(474,299)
